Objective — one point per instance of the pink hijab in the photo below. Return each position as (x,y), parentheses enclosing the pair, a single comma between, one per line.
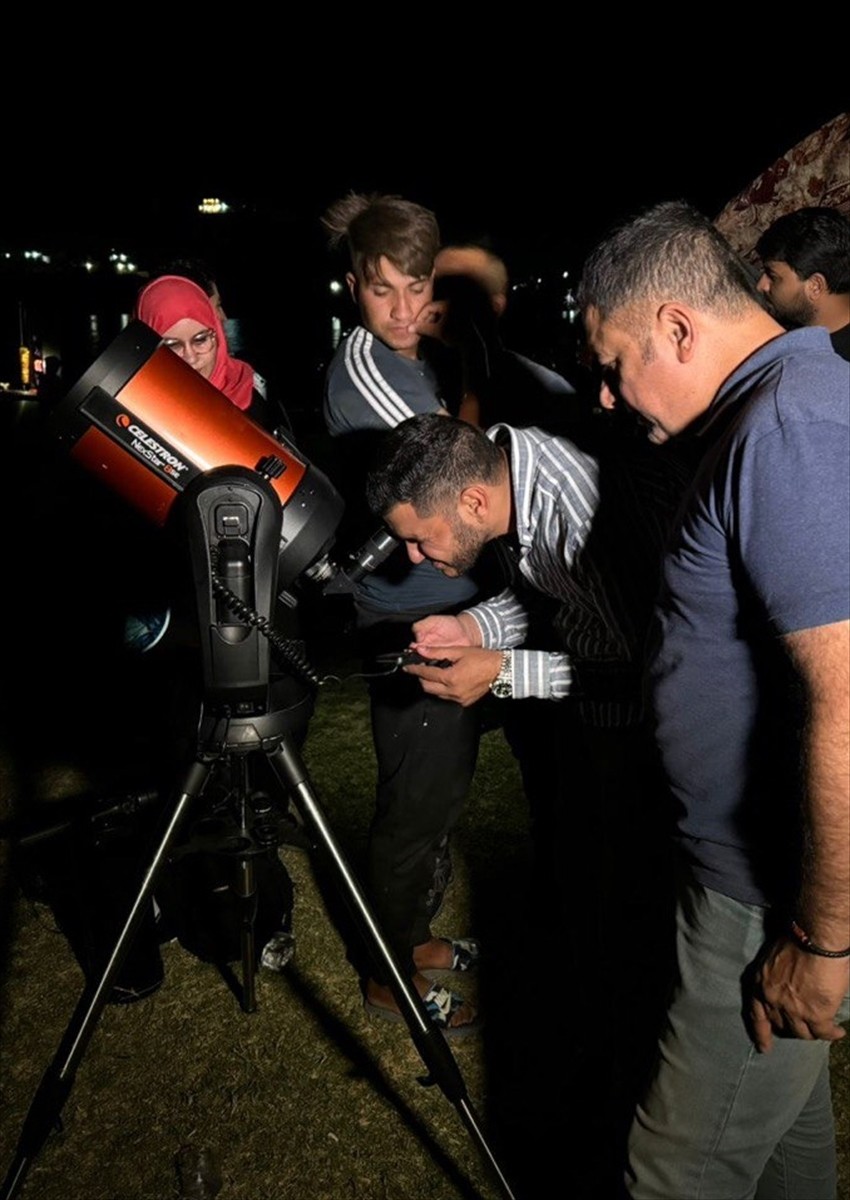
(168,300)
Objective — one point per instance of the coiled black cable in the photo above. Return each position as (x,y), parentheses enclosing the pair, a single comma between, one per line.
(289,651)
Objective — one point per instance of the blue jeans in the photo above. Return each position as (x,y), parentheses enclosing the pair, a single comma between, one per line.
(721,1121)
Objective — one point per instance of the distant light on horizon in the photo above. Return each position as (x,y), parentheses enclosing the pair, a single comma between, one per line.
(211,205)
(122,264)
(571,310)
(335,287)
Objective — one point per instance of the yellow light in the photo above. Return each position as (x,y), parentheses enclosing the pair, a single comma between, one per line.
(212,204)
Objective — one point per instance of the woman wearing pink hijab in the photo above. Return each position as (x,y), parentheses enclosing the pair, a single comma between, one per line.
(185,318)
(183,315)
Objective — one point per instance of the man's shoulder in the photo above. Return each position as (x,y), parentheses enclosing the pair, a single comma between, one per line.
(779,444)
(361,350)
(539,446)
(812,384)
(548,469)
(797,380)
(547,380)
(361,365)
(810,350)
(363,360)
(370,386)
(357,341)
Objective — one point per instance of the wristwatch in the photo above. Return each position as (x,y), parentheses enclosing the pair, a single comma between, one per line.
(503,685)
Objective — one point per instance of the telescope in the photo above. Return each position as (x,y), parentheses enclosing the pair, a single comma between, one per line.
(148,426)
(156,433)
(257,520)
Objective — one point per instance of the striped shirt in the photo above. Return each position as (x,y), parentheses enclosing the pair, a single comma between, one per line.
(591,530)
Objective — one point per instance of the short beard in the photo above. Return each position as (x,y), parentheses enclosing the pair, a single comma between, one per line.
(470,543)
(798,314)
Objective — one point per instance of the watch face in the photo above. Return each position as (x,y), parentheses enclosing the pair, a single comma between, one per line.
(503,685)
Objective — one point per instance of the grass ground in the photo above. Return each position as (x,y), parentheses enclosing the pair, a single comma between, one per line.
(305,1098)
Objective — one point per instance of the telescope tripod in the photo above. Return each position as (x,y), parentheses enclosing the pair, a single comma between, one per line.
(269,735)
(224,908)
(233,522)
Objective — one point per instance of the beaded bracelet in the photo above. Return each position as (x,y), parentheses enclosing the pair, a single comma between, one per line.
(802,938)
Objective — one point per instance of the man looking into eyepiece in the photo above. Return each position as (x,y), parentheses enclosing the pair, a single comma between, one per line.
(447,489)
(752,703)
(806,271)
(583,536)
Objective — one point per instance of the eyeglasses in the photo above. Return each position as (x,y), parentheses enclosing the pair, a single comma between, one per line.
(198,343)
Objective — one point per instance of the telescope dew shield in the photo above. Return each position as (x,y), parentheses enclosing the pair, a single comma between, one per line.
(147,425)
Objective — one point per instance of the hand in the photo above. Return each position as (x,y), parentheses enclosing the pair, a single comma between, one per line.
(466,680)
(430,320)
(444,631)
(796,994)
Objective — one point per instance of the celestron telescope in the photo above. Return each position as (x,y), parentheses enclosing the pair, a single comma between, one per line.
(257,518)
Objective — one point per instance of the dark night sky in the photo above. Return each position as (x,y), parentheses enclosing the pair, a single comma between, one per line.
(544,173)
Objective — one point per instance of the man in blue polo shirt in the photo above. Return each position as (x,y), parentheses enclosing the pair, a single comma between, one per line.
(751,699)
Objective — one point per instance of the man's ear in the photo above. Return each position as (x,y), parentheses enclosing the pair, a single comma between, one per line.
(351,280)
(678,327)
(816,285)
(474,503)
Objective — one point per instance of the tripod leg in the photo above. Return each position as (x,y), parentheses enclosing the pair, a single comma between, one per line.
(246,891)
(57,1081)
(428,1039)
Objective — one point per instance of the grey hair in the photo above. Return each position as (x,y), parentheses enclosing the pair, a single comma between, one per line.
(671,252)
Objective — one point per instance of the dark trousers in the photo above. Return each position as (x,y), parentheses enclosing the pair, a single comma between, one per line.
(603,910)
(601,824)
(426,752)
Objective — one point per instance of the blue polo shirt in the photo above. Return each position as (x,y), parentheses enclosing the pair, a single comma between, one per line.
(763,551)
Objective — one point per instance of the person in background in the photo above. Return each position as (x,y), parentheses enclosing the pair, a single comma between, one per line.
(200,273)
(499,384)
(806,271)
(752,707)
(426,750)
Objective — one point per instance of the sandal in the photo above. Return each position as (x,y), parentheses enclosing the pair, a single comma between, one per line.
(466,955)
(440,1004)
